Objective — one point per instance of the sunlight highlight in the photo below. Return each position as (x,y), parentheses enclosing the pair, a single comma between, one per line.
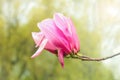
(112,11)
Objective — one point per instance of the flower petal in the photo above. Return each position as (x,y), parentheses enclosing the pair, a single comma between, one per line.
(41,47)
(51,32)
(60,57)
(66,25)
(74,35)
(62,23)
(37,37)
(50,47)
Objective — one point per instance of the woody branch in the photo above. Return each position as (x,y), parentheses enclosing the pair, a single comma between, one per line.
(86,58)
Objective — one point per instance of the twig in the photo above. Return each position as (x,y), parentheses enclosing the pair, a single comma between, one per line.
(86,58)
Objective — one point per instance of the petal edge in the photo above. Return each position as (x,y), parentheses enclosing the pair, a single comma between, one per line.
(60,58)
(41,47)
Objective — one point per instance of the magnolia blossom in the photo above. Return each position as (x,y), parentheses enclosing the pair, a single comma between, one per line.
(58,36)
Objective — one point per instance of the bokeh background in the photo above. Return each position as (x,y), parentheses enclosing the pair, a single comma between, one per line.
(98,26)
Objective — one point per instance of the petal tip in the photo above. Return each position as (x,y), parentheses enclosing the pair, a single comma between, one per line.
(60,57)
(62,64)
(33,56)
(38,24)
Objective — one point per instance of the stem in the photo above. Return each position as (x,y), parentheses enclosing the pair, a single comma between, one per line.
(86,58)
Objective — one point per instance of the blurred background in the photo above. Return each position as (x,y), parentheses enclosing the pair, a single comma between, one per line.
(97,23)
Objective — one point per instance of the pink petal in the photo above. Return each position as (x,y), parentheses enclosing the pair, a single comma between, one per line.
(74,35)
(50,47)
(37,37)
(62,23)
(51,32)
(66,25)
(60,58)
(41,47)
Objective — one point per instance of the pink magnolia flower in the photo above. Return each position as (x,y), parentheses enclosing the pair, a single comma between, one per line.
(58,36)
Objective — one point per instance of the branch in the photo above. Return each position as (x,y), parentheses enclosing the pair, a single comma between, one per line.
(86,58)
